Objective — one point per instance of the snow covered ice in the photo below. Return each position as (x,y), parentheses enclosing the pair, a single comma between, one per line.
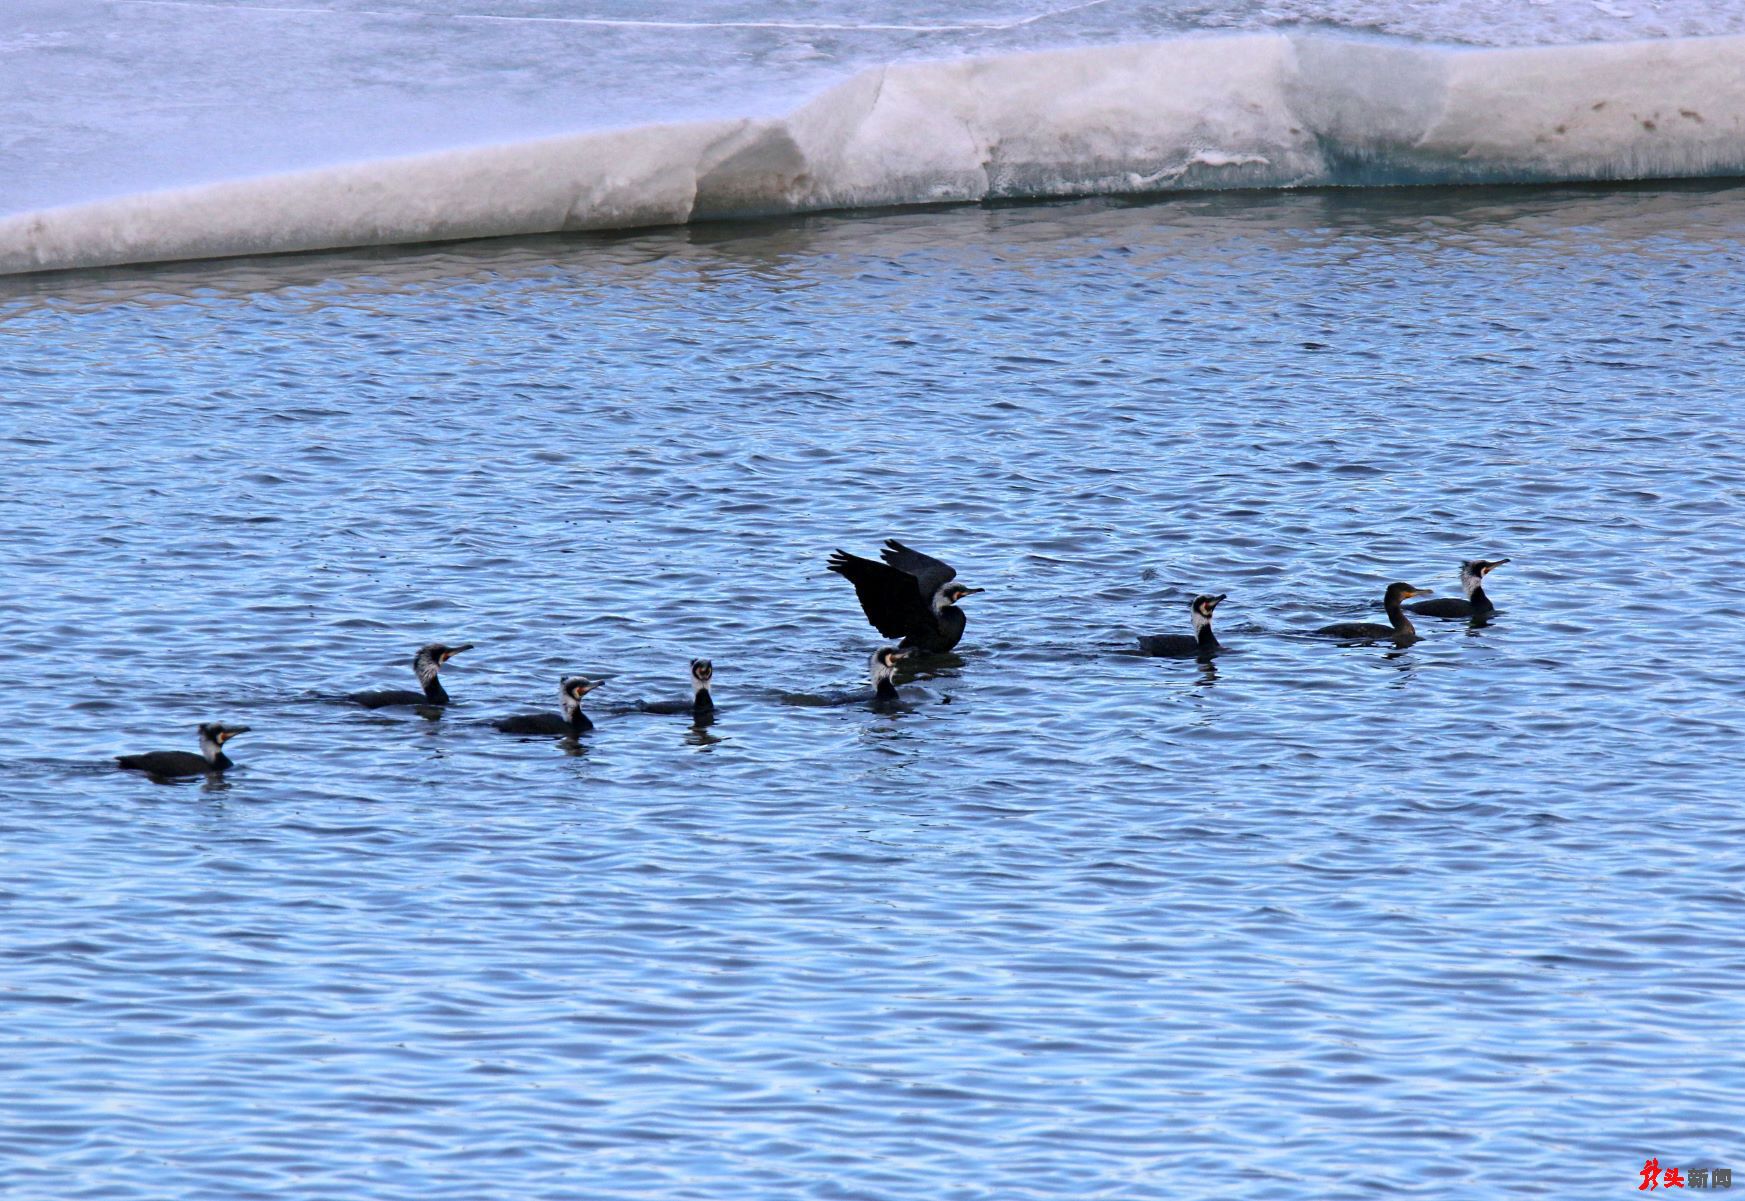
(164,129)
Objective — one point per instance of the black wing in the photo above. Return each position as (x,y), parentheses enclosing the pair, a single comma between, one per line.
(166,763)
(929,572)
(391,696)
(890,598)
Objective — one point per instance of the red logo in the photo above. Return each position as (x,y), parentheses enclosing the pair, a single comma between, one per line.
(1655,1176)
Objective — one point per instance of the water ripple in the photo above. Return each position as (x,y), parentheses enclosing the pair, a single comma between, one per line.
(1310,920)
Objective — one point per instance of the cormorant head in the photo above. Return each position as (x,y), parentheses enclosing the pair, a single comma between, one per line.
(1202,607)
(885,660)
(1473,572)
(571,690)
(429,660)
(950,593)
(1398,592)
(702,672)
(214,734)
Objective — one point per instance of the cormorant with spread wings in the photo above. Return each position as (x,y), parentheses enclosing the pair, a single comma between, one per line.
(910,595)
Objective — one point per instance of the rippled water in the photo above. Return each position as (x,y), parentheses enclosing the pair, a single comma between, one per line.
(1314,921)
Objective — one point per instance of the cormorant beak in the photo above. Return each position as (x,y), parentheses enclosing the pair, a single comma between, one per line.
(972,591)
(1490,567)
(1217,600)
(592,684)
(229,732)
(1421,592)
(455,650)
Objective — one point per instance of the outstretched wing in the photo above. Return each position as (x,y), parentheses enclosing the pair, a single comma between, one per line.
(892,602)
(929,572)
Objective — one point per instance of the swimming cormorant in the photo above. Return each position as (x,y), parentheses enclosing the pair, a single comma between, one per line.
(882,667)
(701,703)
(570,691)
(1401,628)
(210,760)
(1202,643)
(1476,604)
(910,595)
(426,663)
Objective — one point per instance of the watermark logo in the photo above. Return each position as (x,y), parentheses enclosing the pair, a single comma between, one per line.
(1655,1176)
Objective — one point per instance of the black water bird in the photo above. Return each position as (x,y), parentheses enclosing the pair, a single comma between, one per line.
(1476,604)
(701,703)
(570,691)
(210,761)
(882,667)
(910,595)
(1202,643)
(426,663)
(1400,628)
(883,670)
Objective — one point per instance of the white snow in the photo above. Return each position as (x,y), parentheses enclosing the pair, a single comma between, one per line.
(154,129)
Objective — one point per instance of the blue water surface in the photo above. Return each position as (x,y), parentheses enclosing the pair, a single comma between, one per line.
(1312,920)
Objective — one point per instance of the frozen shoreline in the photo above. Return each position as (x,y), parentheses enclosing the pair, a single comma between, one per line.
(1255,110)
